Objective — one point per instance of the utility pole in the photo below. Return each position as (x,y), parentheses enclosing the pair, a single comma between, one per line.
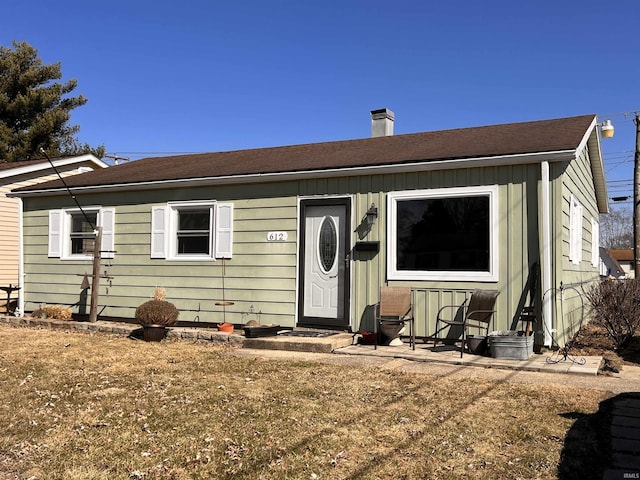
(97,247)
(116,159)
(636,200)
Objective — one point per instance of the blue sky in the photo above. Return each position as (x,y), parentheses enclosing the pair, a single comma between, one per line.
(194,76)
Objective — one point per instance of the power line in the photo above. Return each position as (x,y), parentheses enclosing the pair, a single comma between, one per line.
(86,217)
(621,114)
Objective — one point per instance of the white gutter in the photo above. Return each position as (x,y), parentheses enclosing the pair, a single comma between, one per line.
(20,309)
(545,252)
(520,159)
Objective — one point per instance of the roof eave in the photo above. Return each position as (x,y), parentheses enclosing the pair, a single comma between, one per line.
(58,162)
(592,140)
(425,166)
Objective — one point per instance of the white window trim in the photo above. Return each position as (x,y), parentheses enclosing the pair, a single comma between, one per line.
(164,224)
(60,232)
(393,197)
(595,242)
(575,231)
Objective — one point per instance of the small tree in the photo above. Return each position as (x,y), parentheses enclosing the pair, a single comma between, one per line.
(615,306)
(34,109)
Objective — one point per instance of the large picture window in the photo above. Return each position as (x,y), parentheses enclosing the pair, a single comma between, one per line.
(443,234)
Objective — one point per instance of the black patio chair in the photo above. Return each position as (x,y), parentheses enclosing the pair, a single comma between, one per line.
(477,313)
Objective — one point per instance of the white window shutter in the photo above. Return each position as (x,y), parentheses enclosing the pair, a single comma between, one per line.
(595,242)
(224,230)
(579,235)
(107,221)
(159,232)
(55,233)
(575,231)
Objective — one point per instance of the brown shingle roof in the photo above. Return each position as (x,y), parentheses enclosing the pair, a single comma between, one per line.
(9,165)
(487,141)
(625,255)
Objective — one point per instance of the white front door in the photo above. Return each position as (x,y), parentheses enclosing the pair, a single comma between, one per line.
(324,262)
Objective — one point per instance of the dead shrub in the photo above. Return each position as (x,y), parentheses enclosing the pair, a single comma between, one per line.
(157,312)
(614,304)
(59,312)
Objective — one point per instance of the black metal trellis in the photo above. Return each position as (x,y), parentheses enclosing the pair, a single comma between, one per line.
(562,353)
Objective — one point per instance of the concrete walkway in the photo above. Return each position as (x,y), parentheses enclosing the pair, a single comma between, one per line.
(339,343)
(547,363)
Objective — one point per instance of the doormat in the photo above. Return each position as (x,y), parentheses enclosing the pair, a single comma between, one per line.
(306,333)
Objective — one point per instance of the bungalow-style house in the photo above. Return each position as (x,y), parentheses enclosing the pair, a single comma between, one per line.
(23,174)
(305,235)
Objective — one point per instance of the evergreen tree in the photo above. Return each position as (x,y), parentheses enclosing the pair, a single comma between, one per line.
(34,109)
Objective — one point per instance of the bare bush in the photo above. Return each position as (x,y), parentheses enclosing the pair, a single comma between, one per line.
(615,306)
(157,312)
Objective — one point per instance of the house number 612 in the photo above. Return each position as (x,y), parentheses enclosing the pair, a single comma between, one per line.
(277,236)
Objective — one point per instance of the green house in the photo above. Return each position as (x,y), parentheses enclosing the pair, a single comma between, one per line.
(305,235)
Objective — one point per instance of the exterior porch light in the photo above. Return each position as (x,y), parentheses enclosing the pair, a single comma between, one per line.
(607,129)
(372,214)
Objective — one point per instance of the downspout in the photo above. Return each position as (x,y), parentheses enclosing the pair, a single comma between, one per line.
(545,253)
(20,310)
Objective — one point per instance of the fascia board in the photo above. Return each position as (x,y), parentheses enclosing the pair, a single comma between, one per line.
(44,165)
(597,170)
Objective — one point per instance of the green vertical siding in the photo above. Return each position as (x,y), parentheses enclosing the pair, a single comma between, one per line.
(571,280)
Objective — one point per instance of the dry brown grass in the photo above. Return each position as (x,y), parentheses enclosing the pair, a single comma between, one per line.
(94,406)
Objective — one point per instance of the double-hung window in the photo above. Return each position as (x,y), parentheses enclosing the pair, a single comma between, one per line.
(193,234)
(82,235)
(443,234)
(72,232)
(199,230)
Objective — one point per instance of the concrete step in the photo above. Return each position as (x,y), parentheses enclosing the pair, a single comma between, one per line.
(300,344)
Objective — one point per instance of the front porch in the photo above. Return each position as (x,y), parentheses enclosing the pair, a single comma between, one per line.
(336,343)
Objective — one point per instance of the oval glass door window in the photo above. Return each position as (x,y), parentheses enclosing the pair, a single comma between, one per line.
(327,244)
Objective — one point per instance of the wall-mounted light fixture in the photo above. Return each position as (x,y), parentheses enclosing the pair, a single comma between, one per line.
(372,214)
(607,129)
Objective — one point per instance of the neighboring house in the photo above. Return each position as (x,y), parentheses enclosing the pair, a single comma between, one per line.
(609,266)
(625,258)
(305,235)
(22,174)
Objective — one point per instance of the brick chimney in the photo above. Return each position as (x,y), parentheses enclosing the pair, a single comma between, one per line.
(381,122)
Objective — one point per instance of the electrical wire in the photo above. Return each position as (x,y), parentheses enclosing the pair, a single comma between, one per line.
(86,217)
